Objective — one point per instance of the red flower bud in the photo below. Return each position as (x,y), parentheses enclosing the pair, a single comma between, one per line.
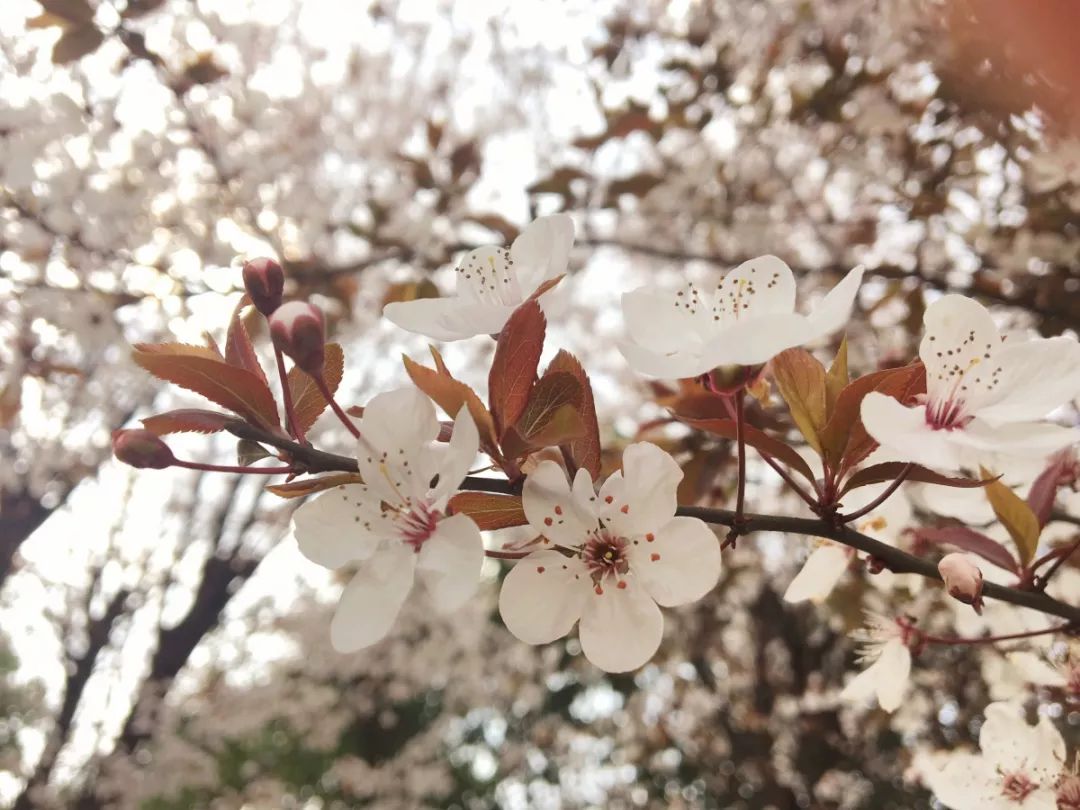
(141,449)
(264,281)
(963,579)
(298,329)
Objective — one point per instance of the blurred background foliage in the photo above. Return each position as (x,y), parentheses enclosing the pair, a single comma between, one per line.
(170,649)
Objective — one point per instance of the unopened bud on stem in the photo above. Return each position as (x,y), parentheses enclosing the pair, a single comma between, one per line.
(264,281)
(142,449)
(963,579)
(299,331)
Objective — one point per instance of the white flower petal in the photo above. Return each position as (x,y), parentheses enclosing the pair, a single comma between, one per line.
(675,365)
(551,509)
(1037,376)
(399,420)
(436,318)
(1033,669)
(372,600)
(1048,756)
(542,251)
(458,457)
(893,672)
(886,678)
(643,497)
(395,431)
(620,627)
(680,564)
(450,560)
(543,595)
(761,286)
(833,312)
(752,341)
(340,526)
(967,782)
(1020,439)
(959,333)
(1005,738)
(819,574)
(667,322)
(904,433)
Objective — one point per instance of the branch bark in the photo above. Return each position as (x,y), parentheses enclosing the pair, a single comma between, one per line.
(896,560)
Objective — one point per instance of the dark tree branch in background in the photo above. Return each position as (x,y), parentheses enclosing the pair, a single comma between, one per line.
(893,558)
(78,675)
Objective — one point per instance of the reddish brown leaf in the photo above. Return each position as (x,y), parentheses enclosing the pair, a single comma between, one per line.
(550,284)
(879,473)
(762,442)
(551,417)
(198,369)
(187,420)
(308,401)
(238,349)
(561,425)
(309,486)
(966,539)
(74,11)
(513,369)
(1043,491)
(75,43)
(488,511)
(844,439)
(450,395)
(584,451)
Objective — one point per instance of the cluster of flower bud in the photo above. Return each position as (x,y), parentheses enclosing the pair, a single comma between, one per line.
(297,328)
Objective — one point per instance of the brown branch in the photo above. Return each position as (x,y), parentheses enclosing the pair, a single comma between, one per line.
(896,560)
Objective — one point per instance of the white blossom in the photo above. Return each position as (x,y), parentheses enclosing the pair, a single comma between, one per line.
(393,527)
(1018,767)
(621,553)
(749,319)
(492,283)
(885,651)
(983,395)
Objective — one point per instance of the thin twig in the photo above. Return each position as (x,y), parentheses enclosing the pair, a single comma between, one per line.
(896,560)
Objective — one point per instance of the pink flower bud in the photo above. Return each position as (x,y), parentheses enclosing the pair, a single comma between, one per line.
(264,281)
(141,449)
(963,579)
(298,329)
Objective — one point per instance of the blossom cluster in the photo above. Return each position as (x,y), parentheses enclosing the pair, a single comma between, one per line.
(607,545)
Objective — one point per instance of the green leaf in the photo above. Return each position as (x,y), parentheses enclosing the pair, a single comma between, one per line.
(801,381)
(837,377)
(1015,515)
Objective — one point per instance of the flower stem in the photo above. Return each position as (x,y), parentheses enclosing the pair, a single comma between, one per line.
(228,468)
(740,494)
(328,395)
(929,639)
(506,555)
(1062,556)
(880,499)
(290,414)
